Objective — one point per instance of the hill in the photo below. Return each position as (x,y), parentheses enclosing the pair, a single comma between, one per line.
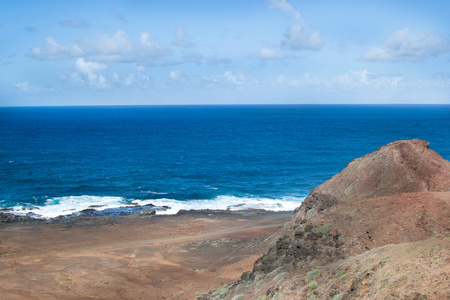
(377,230)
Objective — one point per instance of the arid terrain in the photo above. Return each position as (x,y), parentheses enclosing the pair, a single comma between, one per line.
(131,257)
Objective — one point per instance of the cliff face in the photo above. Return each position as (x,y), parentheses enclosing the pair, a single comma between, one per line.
(397,194)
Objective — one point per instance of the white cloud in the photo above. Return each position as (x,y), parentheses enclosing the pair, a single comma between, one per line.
(55,51)
(284,6)
(305,80)
(234,78)
(192,56)
(402,45)
(92,71)
(117,47)
(129,80)
(175,75)
(271,54)
(214,60)
(181,39)
(27,87)
(363,78)
(74,23)
(91,74)
(230,79)
(298,37)
(302,38)
(268,53)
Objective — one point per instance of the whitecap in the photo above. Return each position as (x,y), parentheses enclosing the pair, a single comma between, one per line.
(73,205)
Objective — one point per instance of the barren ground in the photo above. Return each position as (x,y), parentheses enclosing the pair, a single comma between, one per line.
(176,257)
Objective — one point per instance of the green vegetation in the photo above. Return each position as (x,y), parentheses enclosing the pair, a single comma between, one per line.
(338,296)
(312,274)
(260,283)
(339,274)
(313,285)
(343,277)
(280,277)
(323,229)
(238,297)
(222,290)
(310,212)
(276,297)
(263,297)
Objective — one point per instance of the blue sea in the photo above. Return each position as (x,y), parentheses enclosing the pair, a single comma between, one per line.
(61,160)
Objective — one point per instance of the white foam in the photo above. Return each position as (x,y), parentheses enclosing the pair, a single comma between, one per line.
(63,206)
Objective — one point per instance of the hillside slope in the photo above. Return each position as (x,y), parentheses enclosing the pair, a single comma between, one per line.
(377,230)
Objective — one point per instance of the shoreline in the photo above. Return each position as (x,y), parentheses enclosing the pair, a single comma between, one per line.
(74,206)
(145,213)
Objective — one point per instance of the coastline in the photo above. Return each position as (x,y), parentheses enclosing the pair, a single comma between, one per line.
(133,256)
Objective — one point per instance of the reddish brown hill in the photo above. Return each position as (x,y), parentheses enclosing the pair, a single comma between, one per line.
(397,194)
(399,167)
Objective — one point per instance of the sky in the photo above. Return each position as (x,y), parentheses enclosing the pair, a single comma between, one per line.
(224,52)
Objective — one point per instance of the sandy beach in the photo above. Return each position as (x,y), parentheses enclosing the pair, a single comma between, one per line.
(134,257)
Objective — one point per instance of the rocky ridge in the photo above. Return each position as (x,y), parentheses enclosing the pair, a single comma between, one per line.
(377,230)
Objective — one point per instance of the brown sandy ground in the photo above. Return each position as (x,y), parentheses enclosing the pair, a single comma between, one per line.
(162,257)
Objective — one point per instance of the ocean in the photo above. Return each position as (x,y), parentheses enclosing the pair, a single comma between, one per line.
(115,159)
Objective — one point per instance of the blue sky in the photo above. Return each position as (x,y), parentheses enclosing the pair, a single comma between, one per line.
(224,52)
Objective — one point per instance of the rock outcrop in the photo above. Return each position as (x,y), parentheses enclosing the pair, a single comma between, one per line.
(399,194)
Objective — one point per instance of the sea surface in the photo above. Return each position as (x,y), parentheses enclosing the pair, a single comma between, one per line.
(62,160)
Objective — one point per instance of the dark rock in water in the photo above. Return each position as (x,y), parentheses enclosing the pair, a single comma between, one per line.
(148,212)
(149,205)
(96,206)
(25,208)
(9,218)
(87,211)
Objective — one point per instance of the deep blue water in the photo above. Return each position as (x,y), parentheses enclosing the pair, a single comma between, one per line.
(186,153)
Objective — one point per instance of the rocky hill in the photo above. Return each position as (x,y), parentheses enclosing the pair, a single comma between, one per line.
(377,230)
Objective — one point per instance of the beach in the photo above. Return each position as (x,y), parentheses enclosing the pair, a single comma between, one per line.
(132,257)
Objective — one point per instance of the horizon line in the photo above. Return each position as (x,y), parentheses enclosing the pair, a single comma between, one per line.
(224,104)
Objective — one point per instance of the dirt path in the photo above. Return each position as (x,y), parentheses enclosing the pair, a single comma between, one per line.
(131,258)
